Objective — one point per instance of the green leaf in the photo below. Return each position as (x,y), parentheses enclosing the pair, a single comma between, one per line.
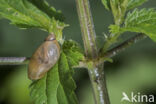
(28,14)
(50,11)
(144,16)
(114,29)
(73,52)
(134,3)
(119,8)
(141,21)
(128,4)
(106,3)
(57,87)
(38,89)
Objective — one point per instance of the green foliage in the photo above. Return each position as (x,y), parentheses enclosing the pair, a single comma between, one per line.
(30,13)
(130,4)
(58,86)
(144,16)
(50,11)
(119,8)
(141,21)
(38,91)
(106,3)
(73,52)
(114,29)
(134,3)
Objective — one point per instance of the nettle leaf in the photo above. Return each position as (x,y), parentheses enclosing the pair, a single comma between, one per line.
(144,16)
(73,52)
(119,8)
(128,4)
(141,21)
(114,29)
(46,8)
(28,14)
(106,3)
(57,87)
(134,3)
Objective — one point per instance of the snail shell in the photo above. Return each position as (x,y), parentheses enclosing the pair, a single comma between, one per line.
(44,58)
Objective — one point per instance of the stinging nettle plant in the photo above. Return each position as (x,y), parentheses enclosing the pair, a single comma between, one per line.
(57,86)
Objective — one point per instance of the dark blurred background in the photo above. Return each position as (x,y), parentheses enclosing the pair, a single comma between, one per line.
(133,70)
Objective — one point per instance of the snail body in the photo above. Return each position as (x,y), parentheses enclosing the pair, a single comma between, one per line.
(44,58)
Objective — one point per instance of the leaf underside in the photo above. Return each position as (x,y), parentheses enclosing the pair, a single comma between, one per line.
(135,3)
(30,13)
(58,86)
(130,3)
(106,3)
(141,21)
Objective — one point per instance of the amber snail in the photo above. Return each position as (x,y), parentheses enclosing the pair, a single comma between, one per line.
(44,58)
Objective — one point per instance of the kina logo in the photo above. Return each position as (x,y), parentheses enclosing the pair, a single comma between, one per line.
(137,97)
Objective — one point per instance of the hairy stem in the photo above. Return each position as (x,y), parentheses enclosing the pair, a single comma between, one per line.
(88,34)
(87,28)
(13,60)
(124,45)
(98,81)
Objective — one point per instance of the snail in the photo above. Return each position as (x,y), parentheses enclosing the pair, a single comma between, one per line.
(44,58)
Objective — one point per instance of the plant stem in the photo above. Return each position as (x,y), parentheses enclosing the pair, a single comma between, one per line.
(13,60)
(111,40)
(98,81)
(88,34)
(124,45)
(87,28)
(114,51)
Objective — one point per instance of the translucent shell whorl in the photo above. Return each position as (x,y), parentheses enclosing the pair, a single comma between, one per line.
(44,58)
